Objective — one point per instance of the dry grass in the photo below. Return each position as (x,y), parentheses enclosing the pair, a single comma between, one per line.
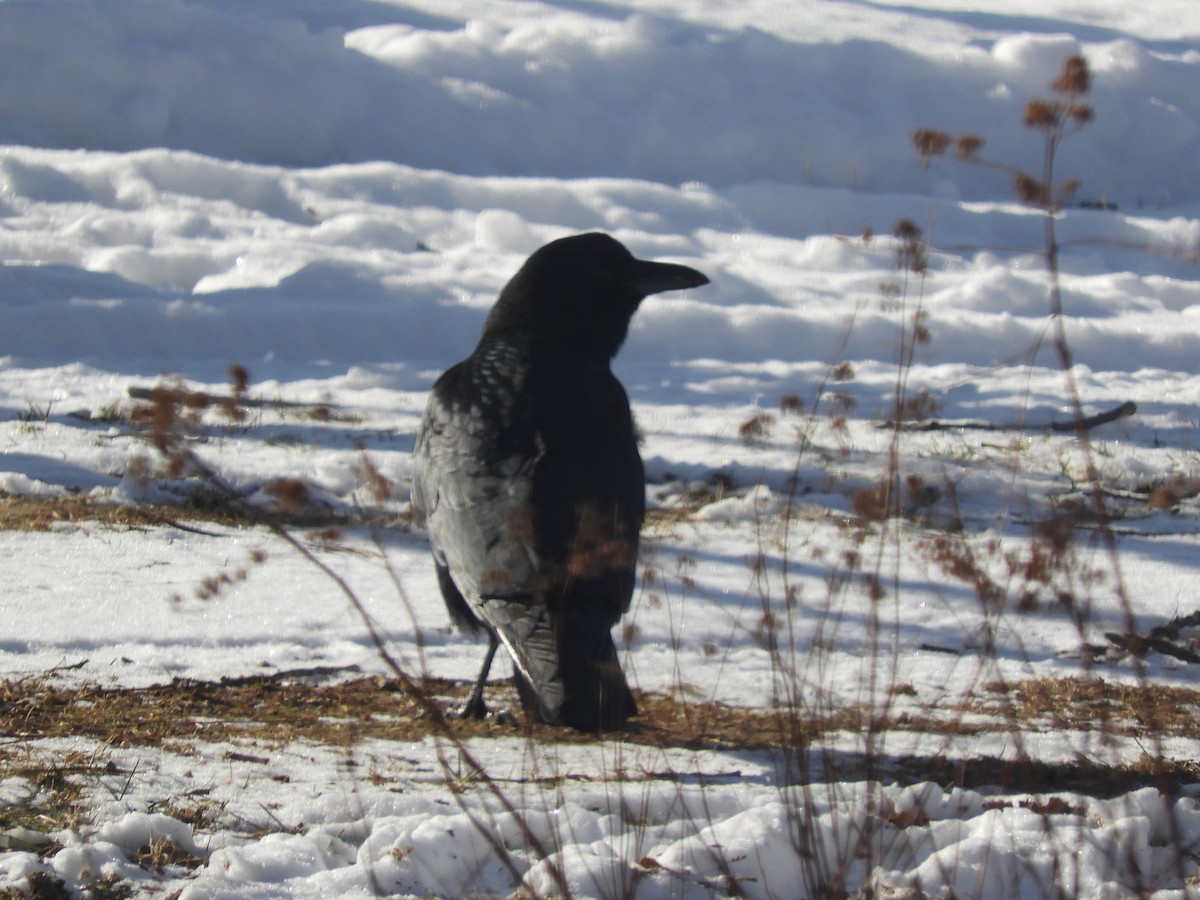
(23,513)
(269,711)
(274,710)
(1090,704)
(251,716)
(19,513)
(58,783)
(41,514)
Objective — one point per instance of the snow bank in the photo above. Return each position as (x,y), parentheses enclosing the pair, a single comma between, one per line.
(669,100)
(662,840)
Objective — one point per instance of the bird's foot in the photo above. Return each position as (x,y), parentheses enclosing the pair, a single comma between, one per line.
(480,713)
(505,717)
(474,708)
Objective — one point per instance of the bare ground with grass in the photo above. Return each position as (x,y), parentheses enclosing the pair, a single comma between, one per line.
(340,707)
(250,719)
(273,711)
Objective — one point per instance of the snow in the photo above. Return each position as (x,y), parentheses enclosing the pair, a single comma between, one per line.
(331,194)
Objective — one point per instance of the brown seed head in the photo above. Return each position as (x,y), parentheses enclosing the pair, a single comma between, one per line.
(1032,191)
(1081,113)
(929,143)
(239,379)
(791,403)
(1043,114)
(911,253)
(907,230)
(290,493)
(968,146)
(1075,78)
(843,371)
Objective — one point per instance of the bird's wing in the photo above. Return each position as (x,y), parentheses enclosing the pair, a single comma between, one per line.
(476,505)
(477,509)
(589,490)
(475,456)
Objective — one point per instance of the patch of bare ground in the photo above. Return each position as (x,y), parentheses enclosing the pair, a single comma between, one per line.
(270,711)
(21,513)
(277,709)
(24,513)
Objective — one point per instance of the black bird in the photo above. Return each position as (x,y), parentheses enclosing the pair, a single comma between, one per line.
(528,473)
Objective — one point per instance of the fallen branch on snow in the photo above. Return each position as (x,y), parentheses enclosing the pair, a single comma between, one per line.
(1128,408)
(200,398)
(1165,639)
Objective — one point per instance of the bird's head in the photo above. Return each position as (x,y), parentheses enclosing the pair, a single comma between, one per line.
(577,294)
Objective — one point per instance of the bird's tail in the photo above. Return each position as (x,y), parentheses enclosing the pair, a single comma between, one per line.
(596,695)
(567,670)
(525,629)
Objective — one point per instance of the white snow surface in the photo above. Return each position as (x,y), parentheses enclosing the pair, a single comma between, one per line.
(330,193)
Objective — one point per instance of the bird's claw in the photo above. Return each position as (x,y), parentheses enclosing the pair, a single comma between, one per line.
(472,709)
(480,713)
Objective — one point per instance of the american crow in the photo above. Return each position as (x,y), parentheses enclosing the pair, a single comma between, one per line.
(528,473)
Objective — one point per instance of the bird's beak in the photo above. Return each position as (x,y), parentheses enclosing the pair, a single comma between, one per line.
(654,277)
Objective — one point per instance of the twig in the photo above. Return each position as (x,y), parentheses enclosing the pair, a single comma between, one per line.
(206,399)
(1126,409)
(68,667)
(191,529)
(291,675)
(236,756)
(1161,639)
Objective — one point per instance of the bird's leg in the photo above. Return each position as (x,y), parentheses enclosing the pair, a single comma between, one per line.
(476,708)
